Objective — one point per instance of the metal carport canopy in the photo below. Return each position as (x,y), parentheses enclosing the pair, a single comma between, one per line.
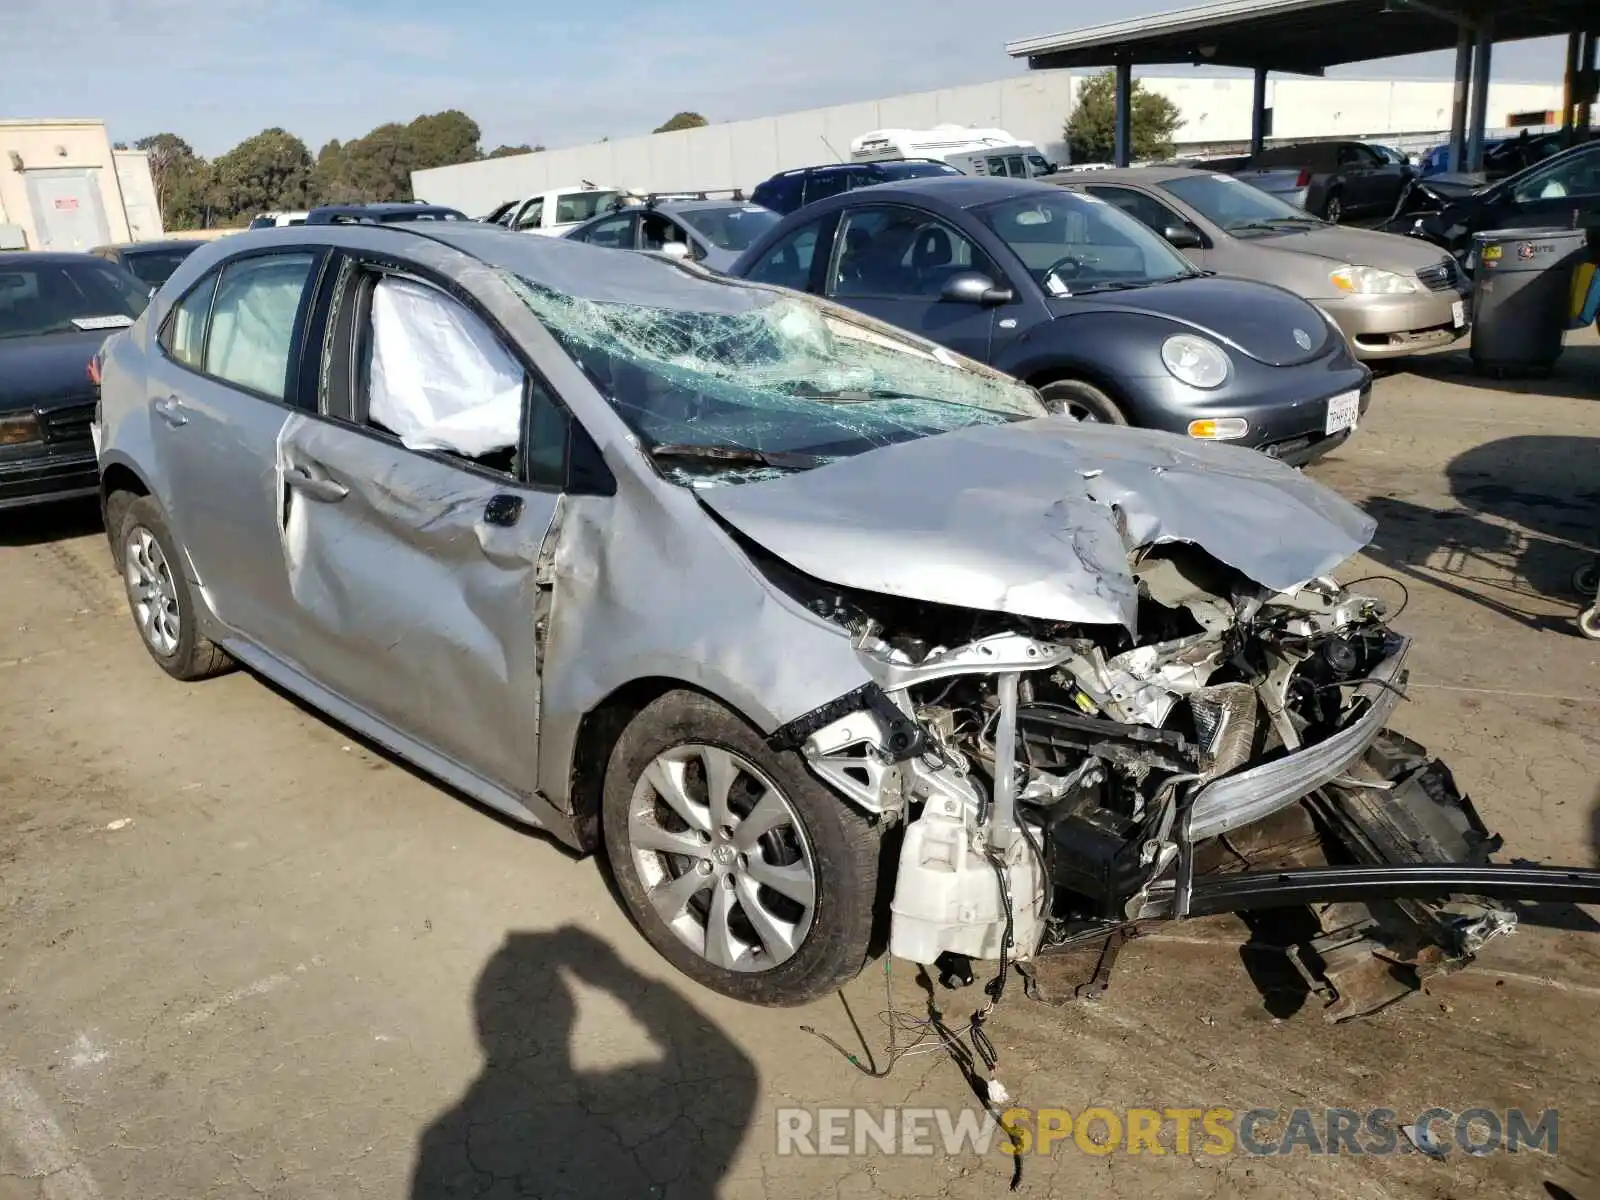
(1300,36)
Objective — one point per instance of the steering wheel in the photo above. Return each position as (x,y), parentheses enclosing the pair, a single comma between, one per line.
(1058,268)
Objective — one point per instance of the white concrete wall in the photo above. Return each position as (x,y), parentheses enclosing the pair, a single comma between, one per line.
(138,195)
(1032,106)
(50,145)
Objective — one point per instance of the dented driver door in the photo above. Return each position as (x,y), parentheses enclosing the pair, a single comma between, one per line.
(414,587)
(415,507)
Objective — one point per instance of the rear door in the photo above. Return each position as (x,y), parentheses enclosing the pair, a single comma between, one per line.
(619,232)
(892,261)
(220,392)
(421,501)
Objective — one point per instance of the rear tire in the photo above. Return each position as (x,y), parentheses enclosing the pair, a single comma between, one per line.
(729,908)
(1082,402)
(1333,208)
(160,596)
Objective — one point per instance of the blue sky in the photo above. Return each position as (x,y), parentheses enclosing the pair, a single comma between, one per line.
(216,71)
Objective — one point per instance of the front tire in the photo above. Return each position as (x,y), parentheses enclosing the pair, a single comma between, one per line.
(159,594)
(744,871)
(1082,402)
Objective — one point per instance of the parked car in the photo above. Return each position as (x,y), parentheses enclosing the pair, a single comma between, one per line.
(789,190)
(553,212)
(274,220)
(1333,180)
(708,231)
(1074,297)
(1391,295)
(382,214)
(1501,156)
(150,262)
(55,311)
(759,595)
(1560,192)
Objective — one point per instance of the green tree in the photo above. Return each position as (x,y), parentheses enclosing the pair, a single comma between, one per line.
(443,139)
(508,151)
(683,120)
(271,170)
(182,180)
(1091,130)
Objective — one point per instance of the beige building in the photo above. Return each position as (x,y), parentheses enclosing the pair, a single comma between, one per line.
(63,187)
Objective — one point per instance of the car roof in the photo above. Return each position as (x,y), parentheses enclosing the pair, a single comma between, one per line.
(13,259)
(385,207)
(956,191)
(160,244)
(571,268)
(1135,175)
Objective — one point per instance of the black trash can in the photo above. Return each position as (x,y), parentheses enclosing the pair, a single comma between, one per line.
(1522,291)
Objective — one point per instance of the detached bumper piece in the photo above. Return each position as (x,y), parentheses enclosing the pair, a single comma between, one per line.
(1250,890)
(1390,863)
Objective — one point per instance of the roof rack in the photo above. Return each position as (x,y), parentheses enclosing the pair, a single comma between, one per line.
(651,199)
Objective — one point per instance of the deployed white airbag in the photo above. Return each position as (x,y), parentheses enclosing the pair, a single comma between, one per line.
(440,379)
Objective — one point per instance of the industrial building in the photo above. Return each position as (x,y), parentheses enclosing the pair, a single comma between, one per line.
(1217,115)
(64,187)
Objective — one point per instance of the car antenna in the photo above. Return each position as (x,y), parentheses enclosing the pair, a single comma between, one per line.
(829,145)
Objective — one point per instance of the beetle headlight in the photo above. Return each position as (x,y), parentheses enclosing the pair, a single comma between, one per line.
(1195,361)
(1371,281)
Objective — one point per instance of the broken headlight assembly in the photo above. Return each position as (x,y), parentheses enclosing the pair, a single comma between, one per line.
(1059,783)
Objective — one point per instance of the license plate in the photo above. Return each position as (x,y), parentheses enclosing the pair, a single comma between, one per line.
(1343,410)
(1458,313)
(94,436)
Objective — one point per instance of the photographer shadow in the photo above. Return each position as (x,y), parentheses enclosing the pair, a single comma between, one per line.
(534,1124)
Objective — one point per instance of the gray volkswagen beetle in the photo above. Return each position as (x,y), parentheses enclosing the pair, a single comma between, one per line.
(810,625)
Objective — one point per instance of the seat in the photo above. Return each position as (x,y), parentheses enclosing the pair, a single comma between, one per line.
(932,259)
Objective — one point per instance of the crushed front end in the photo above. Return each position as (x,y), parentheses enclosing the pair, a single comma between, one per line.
(1062,783)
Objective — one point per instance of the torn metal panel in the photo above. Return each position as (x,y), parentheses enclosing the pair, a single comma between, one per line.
(1039,518)
(647,587)
(399,580)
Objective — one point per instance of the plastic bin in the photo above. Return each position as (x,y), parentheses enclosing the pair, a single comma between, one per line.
(1522,297)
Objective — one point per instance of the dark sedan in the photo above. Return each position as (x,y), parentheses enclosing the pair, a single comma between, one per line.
(1560,192)
(1071,295)
(151,262)
(55,311)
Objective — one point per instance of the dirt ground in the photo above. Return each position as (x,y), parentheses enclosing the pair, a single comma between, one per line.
(241,954)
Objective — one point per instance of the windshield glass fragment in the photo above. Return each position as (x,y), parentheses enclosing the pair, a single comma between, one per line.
(778,382)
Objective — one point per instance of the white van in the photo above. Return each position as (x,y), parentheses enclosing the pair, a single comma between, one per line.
(971,151)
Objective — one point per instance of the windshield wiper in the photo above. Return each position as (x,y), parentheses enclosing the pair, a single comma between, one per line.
(1276,223)
(1116,285)
(738,456)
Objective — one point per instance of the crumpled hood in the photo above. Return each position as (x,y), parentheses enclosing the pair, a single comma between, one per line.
(1039,518)
(1256,319)
(46,367)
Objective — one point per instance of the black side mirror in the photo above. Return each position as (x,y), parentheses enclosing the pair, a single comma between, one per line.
(973,287)
(1182,237)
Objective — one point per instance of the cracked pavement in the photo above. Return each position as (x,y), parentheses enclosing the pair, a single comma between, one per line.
(243,954)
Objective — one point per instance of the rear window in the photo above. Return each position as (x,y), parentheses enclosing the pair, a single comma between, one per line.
(155,267)
(736,227)
(66,297)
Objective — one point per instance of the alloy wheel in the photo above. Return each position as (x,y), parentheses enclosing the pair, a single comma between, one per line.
(723,857)
(152,592)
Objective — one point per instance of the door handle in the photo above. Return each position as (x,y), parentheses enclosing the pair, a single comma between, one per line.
(313,488)
(170,410)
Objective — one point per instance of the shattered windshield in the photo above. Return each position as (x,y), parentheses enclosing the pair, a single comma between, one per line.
(768,382)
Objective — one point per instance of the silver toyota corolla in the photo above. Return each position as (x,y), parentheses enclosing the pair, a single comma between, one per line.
(770,600)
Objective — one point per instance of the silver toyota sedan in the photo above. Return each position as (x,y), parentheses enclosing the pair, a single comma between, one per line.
(1391,295)
(815,629)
